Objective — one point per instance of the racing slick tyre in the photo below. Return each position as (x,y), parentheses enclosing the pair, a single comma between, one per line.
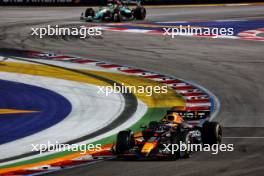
(182,140)
(117,15)
(89,12)
(140,13)
(211,133)
(152,127)
(124,141)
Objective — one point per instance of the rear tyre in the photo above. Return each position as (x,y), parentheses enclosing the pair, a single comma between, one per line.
(124,141)
(211,133)
(117,16)
(183,140)
(140,13)
(153,125)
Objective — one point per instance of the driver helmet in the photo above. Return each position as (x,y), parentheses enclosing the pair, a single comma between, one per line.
(172,119)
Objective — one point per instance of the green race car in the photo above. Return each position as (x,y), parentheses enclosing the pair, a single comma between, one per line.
(115,11)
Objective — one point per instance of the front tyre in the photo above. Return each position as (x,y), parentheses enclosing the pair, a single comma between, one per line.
(89,12)
(124,141)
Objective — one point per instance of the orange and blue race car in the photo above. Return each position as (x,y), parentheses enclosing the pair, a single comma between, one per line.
(160,138)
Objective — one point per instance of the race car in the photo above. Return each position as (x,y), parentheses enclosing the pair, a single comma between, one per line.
(115,11)
(153,141)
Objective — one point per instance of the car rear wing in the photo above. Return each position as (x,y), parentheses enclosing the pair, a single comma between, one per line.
(191,115)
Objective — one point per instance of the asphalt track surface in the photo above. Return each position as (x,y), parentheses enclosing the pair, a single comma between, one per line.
(232,69)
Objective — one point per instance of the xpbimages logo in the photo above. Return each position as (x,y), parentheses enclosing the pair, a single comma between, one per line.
(197,31)
(182,147)
(59,147)
(121,88)
(82,32)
